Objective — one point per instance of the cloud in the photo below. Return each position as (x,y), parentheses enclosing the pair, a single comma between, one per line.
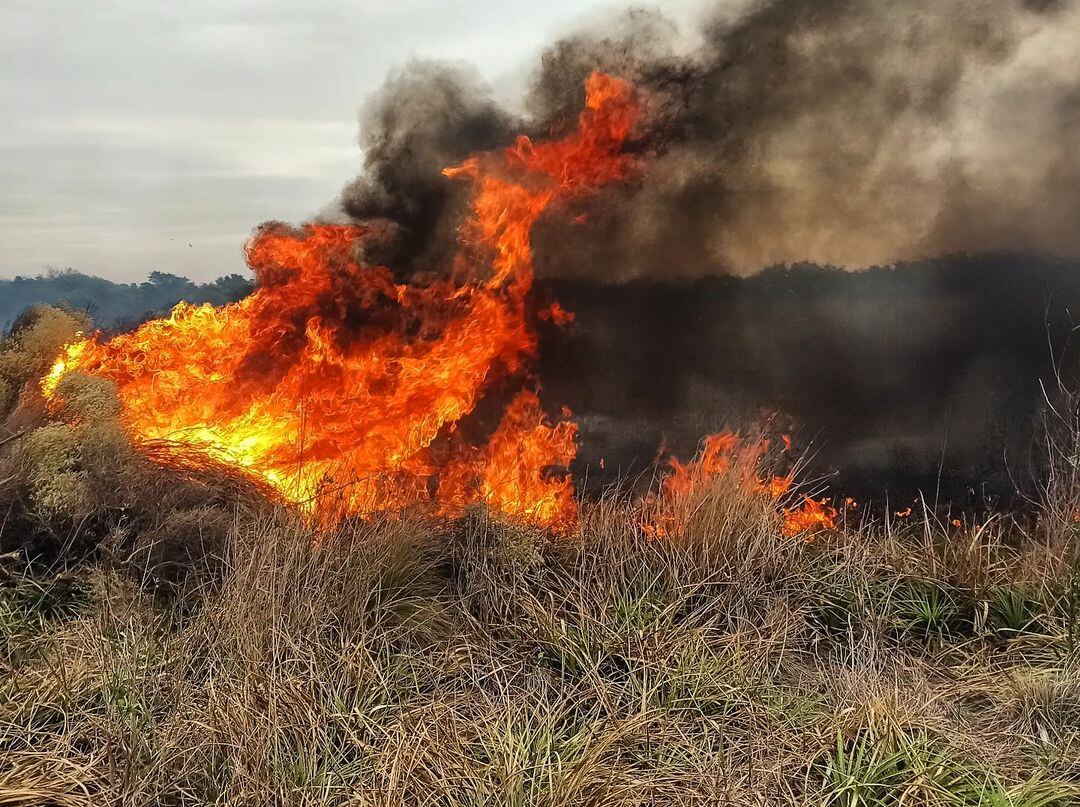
(133,129)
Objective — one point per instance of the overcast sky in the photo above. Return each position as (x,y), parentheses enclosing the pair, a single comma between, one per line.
(141,135)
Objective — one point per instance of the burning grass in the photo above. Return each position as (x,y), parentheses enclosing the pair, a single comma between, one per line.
(172,634)
(342,387)
(405,660)
(259,554)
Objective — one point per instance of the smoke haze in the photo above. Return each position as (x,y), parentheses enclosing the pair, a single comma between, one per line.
(845,132)
(918,380)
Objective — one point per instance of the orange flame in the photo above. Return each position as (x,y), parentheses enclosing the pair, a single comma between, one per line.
(339,385)
(724,453)
(813,515)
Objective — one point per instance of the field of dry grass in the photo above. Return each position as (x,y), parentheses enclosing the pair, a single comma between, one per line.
(170,638)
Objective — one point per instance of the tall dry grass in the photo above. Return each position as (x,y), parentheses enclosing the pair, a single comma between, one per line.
(402,663)
(398,661)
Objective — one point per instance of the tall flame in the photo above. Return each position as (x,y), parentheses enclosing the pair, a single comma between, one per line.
(338,384)
(348,391)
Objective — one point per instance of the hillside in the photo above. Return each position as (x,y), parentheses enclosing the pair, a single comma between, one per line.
(113,305)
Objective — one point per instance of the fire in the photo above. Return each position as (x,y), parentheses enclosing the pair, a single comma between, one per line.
(517,477)
(352,392)
(726,453)
(557,314)
(813,515)
(341,386)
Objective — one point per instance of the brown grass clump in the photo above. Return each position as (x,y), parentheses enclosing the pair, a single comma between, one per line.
(34,343)
(74,489)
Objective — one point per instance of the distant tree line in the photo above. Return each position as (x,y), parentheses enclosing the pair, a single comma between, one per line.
(114,306)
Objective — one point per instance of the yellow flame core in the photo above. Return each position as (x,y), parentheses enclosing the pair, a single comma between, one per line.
(68,360)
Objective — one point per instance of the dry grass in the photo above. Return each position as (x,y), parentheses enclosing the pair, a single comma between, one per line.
(73,488)
(401,662)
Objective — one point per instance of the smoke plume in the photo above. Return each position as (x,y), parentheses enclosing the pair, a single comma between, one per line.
(927,379)
(426,117)
(845,132)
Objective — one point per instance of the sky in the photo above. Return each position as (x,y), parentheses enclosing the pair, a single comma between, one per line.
(143,136)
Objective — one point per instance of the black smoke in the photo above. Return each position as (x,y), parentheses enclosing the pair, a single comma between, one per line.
(426,117)
(845,132)
(923,379)
(790,134)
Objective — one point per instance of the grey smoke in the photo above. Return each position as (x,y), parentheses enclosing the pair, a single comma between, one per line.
(846,132)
